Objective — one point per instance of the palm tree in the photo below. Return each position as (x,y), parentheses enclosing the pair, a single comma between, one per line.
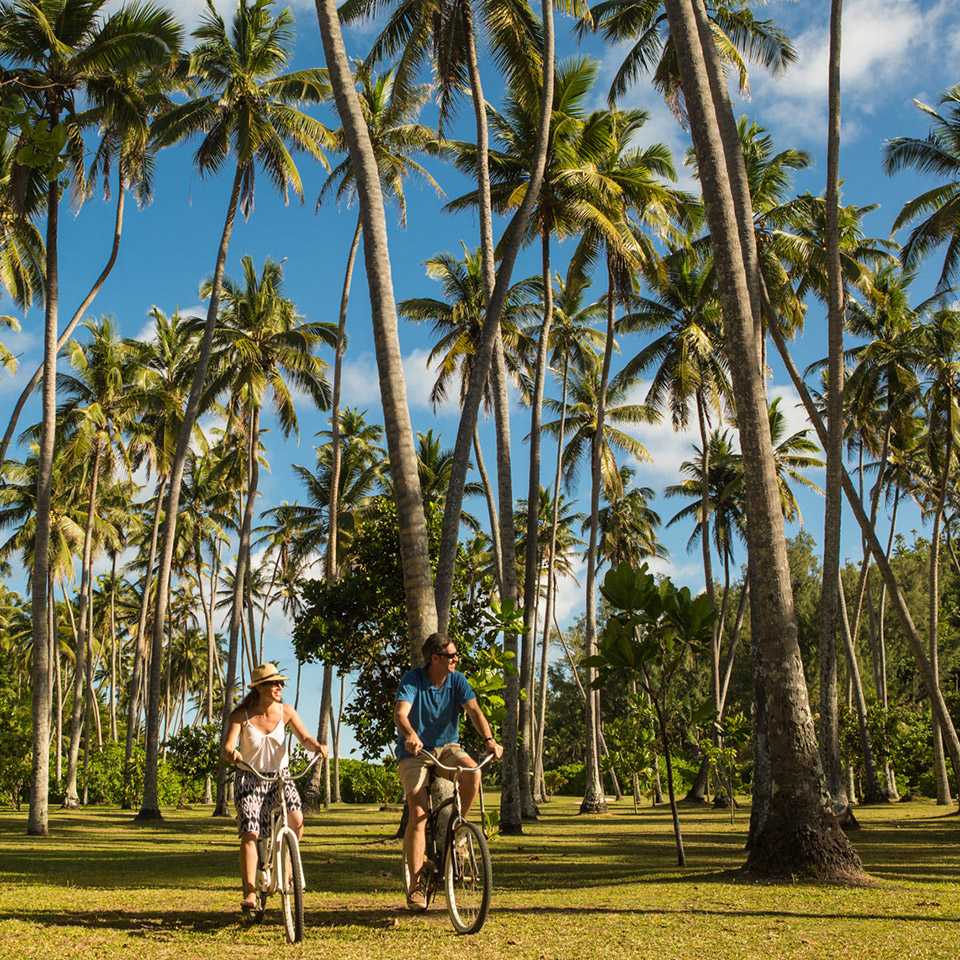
(738,34)
(628,189)
(97,408)
(448,32)
(791,738)
(628,525)
(689,364)
(939,348)
(939,208)
(123,104)
(260,346)
(21,244)
(246,109)
(417,575)
(390,113)
(51,51)
(458,323)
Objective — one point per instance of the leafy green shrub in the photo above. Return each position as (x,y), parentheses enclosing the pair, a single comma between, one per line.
(193,753)
(362,782)
(574,779)
(104,777)
(15,744)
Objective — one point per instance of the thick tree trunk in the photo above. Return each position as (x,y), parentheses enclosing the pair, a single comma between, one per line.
(39,598)
(140,647)
(531,565)
(83,684)
(798,835)
(829,718)
(150,807)
(514,790)
(414,547)
(78,315)
(491,512)
(496,289)
(593,798)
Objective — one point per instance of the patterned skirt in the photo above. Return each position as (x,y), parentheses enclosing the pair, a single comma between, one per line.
(255,800)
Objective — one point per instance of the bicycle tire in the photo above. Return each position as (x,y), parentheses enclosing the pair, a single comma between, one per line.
(291,891)
(468,880)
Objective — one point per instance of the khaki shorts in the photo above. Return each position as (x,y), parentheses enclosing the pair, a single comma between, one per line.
(415,771)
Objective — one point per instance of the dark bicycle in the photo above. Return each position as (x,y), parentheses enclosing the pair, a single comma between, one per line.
(279,869)
(457,855)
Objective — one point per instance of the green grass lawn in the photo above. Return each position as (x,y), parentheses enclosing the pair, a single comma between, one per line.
(573,887)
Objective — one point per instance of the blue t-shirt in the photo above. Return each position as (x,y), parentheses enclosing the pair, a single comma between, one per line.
(434,711)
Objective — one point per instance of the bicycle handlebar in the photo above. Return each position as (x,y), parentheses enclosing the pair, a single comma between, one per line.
(276,774)
(435,761)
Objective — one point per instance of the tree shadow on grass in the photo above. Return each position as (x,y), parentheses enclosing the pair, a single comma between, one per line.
(161,924)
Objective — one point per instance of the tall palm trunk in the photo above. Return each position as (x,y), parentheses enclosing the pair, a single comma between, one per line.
(140,647)
(797,834)
(513,790)
(829,718)
(40,689)
(414,548)
(698,789)
(532,551)
(491,511)
(939,761)
(496,286)
(211,649)
(241,573)
(113,647)
(78,315)
(871,787)
(593,798)
(83,681)
(150,807)
(551,575)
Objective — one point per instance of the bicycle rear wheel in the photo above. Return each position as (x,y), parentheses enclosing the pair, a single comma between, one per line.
(291,891)
(468,878)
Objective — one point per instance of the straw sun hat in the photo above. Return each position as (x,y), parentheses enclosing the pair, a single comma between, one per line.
(265,673)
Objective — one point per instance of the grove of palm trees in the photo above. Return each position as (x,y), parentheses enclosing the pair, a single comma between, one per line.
(618,343)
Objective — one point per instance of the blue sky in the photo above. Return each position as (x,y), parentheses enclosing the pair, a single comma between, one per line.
(894,51)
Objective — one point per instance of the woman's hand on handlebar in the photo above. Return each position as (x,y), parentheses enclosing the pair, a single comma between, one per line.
(315,746)
(234,757)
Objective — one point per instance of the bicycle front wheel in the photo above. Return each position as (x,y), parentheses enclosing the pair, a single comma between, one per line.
(468,878)
(291,892)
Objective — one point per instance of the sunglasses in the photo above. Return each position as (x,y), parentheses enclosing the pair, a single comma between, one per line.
(450,656)
(275,683)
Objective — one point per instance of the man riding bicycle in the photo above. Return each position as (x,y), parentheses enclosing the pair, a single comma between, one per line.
(427,714)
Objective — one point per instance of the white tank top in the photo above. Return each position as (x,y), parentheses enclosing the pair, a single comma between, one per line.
(263,751)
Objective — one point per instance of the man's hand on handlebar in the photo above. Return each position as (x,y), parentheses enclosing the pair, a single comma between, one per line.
(495,748)
(413,744)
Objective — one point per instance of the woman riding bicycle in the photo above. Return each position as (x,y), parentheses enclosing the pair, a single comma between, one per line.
(257,736)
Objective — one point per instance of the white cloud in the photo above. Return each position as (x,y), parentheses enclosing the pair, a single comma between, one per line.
(361,383)
(886,44)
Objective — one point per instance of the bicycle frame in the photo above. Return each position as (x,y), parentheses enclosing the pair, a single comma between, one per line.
(275,878)
(456,816)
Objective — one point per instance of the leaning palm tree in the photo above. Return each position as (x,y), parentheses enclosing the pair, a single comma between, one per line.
(246,111)
(457,321)
(937,209)
(391,113)
(260,347)
(51,51)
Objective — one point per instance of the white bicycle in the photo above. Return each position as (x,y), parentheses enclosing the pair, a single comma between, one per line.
(279,868)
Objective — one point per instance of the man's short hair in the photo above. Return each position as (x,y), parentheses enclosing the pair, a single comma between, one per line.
(434,645)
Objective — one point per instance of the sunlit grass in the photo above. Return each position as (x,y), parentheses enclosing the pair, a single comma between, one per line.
(572,887)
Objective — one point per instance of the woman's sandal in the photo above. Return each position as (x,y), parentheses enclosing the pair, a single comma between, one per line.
(250,911)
